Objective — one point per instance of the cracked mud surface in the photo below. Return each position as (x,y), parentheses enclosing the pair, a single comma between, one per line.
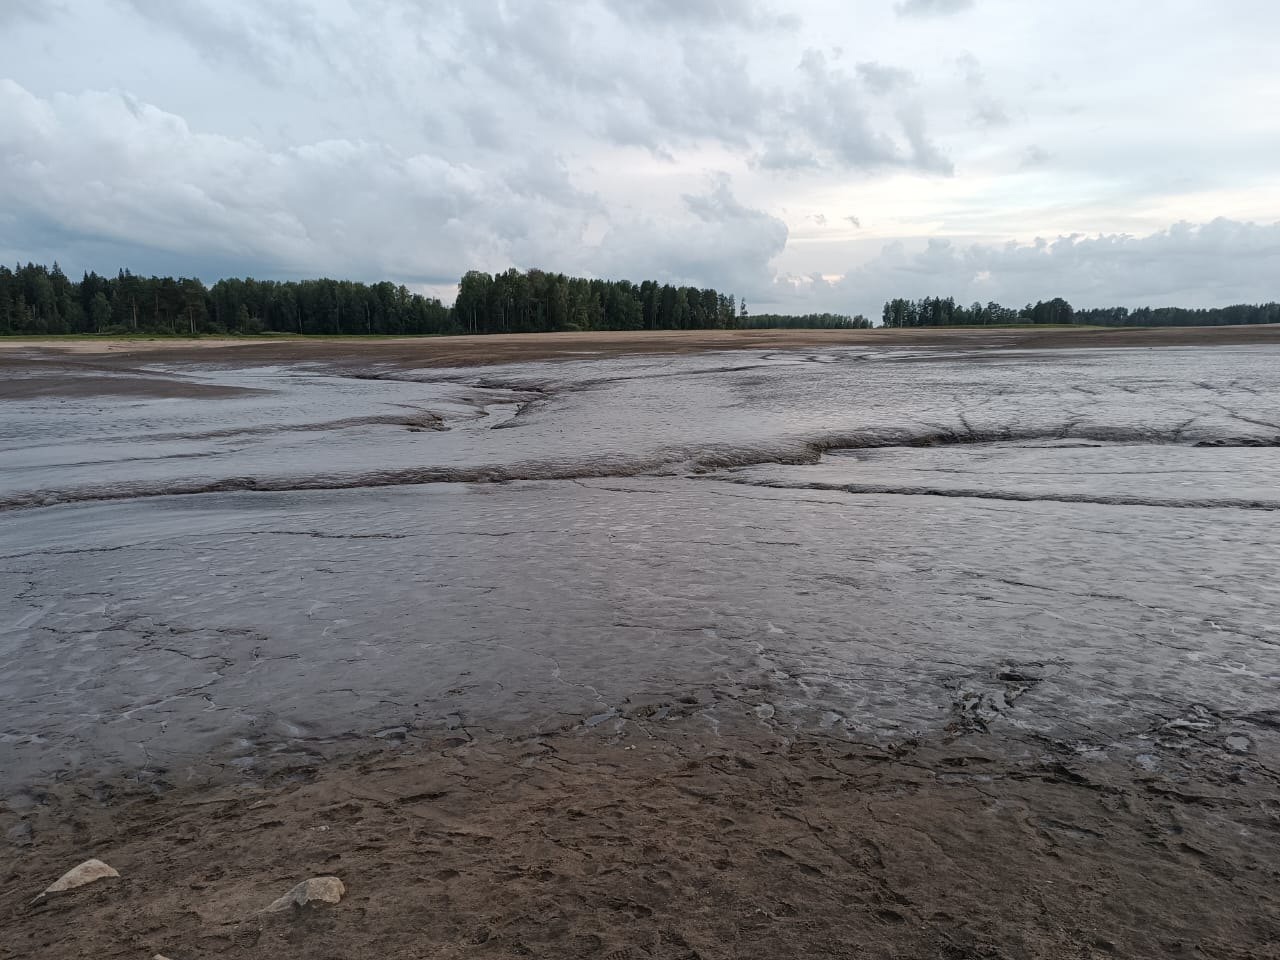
(858,652)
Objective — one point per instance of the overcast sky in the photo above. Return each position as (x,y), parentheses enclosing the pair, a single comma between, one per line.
(818,155)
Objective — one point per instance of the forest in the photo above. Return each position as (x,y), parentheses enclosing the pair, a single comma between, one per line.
(945,312)
(39,300)
(807,321)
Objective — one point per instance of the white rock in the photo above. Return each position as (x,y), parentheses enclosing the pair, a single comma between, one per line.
(315,890)
(87,872)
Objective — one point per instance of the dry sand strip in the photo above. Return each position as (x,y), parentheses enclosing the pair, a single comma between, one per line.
(668,844)
(514,348)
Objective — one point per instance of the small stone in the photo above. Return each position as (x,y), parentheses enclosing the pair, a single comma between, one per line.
(19,834)
(87,872)
(315,890)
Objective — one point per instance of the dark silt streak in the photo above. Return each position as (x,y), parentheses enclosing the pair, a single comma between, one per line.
(1114,500)
(675,460)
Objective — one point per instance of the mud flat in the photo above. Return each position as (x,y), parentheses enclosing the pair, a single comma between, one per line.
(791,649)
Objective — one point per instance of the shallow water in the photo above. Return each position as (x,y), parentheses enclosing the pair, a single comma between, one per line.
(1074,546)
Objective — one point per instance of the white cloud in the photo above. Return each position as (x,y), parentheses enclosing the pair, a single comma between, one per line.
(832,121)
(1194,265)
(678,14)
(883,79)
(723,243)
(15,11)
(931,8)
(104,165)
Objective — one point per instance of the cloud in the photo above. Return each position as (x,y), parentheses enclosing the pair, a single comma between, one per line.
(1035,156)
(925,154)
(830,122)
(988,112)
(417,138)
(13,12)
(724,243)
(970,70)
(102,171)
(816,116)
(492,75)
(108,168)
(748,14)
(268,38)
(882,79)
(931,8)
(1210,264)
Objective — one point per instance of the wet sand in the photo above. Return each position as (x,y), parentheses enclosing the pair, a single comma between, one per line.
(995,682)
(670,845)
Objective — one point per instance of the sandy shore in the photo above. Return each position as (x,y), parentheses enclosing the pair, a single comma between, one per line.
(513,348)
(671,845)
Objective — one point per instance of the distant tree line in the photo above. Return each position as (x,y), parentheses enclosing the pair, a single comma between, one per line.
(945,312)
(1235,315)
(39,300)
(808,321)
(42,300)
(536,301)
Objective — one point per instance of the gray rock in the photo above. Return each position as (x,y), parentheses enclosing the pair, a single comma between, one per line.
(315,890)
(19,834)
